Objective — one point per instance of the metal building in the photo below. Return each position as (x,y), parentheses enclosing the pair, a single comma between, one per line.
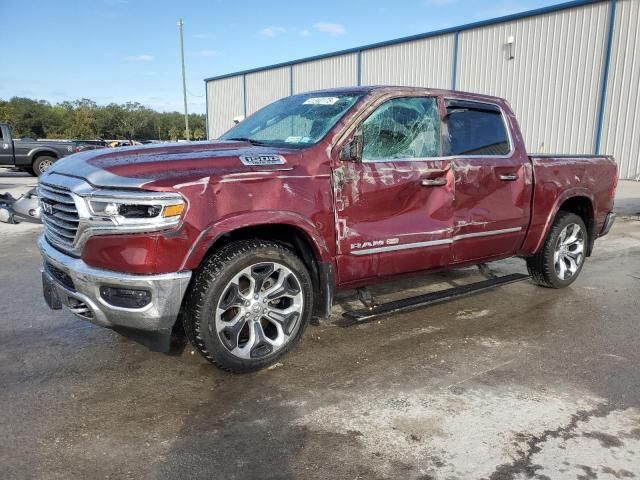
(570,71)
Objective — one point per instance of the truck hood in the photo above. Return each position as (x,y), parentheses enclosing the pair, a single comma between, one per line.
(134,167)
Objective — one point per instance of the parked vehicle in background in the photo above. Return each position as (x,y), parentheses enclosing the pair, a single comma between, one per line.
(33,156)
(26,208)
(82,145)
(85,147)
(243,240)
(122,143)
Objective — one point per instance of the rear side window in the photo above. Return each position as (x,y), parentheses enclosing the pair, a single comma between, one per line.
(476,129)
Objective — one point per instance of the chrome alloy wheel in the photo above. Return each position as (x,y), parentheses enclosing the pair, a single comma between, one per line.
(44,164)
(259,310)
(569,252)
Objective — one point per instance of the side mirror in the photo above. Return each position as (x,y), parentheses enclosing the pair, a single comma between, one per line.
(352,150)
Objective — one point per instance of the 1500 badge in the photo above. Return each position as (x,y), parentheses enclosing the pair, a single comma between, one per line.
(256,160)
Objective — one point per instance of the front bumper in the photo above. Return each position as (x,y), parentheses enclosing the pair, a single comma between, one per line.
(78,288)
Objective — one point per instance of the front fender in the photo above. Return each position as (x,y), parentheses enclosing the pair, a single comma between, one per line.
(256,219)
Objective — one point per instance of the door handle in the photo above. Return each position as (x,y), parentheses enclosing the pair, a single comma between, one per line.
(433,182)
(509,177)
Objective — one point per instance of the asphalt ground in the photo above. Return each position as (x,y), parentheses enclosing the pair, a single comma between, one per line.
(515,383)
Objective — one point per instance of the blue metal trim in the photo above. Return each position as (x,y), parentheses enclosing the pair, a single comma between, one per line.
(244,94)
(206,109)
(605,77)
(420,36)
(359,74)
(290,80)
(454,80)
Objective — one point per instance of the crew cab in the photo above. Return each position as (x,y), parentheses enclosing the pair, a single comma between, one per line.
(33,156)
(244,239)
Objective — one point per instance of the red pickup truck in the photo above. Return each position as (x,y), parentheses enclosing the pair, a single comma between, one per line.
(244,239)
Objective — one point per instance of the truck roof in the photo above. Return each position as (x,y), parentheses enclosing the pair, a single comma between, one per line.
(381,89)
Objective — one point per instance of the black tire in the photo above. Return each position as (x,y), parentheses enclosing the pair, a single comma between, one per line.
(542,265)
(41,163)
(213,279)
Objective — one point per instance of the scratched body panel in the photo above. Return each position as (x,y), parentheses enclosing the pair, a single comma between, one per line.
(382,203)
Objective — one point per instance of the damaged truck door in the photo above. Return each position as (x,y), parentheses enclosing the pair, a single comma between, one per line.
(492,181)
(395,194)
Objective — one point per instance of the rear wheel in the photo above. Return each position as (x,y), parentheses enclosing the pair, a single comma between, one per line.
(42,163)
(561,258)
(249,305)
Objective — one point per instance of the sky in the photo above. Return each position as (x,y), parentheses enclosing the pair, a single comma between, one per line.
(129,50)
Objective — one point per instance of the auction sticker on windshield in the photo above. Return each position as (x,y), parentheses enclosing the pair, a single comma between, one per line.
(321,101)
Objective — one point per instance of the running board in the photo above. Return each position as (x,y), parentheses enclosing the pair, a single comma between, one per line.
(412,303)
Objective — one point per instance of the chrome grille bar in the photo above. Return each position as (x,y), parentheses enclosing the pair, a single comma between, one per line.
(60,217)
(60,231)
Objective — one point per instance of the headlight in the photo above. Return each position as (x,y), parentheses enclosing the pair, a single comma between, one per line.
(134,211)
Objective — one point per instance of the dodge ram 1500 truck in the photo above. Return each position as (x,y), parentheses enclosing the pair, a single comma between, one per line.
(33,156)
(244,239)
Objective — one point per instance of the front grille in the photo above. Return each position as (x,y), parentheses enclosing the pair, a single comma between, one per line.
(58,214)
(61,276)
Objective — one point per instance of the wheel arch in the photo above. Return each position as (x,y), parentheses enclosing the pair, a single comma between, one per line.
(309,247)
(40,152)
(580,202)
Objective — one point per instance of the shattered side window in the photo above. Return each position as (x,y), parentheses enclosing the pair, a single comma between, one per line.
(402,128)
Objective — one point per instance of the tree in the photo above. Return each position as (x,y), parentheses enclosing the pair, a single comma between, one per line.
(84,119)
(174,133)
(81,121)
(198,134)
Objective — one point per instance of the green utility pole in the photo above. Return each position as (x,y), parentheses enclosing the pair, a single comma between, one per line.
(184,82)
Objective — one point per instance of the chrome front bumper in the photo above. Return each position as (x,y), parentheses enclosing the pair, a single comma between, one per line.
(83,296)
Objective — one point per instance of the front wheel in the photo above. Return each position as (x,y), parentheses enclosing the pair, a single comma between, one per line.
(560,260)
(249,305)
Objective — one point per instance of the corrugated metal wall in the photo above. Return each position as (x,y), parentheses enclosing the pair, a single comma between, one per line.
(621,132)
(421,63)
(225,101)
(554,82)
(265,87)
(326,73)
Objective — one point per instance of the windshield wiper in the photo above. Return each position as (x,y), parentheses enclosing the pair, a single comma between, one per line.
(249,140)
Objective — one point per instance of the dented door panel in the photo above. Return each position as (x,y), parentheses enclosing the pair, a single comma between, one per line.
(491,214)
(389,221)
(493,180)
